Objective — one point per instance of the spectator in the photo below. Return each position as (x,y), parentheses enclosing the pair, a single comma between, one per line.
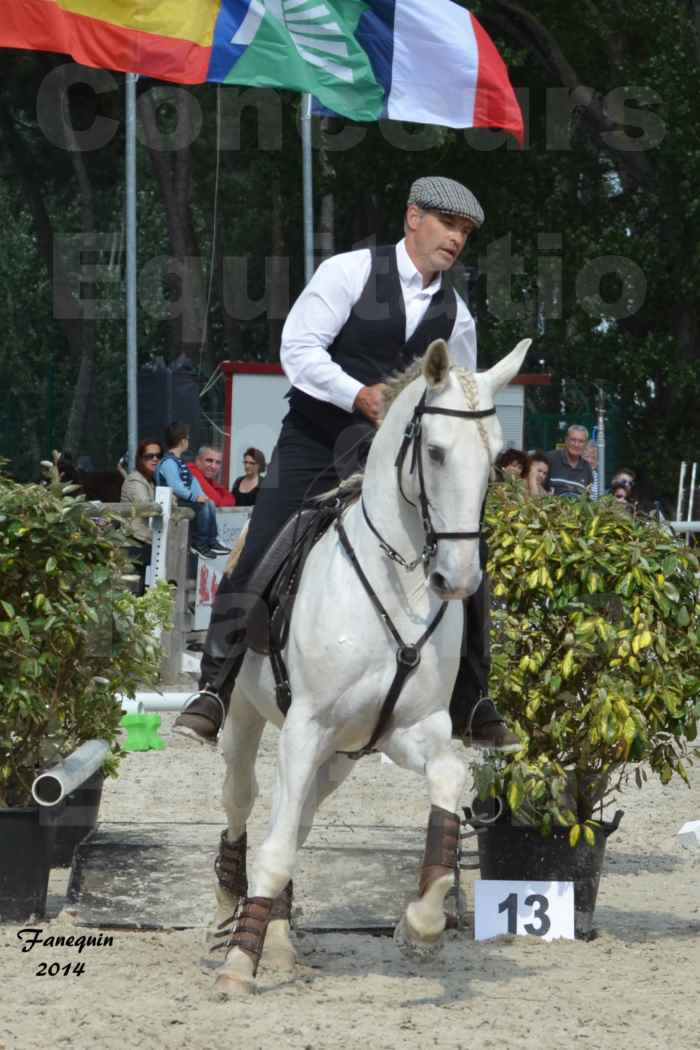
(245,488)
(207,470)
(175,473)
(511,464)
(67,470)
(623,478)
(569,473)
(537,475)
(139,487)
(590,454)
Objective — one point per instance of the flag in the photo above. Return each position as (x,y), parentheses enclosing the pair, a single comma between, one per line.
(425,61)
(164,39)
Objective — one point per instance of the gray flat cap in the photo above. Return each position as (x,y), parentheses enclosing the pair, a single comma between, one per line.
(436,193)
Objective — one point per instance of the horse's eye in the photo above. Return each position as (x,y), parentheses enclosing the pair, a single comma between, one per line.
(437,455)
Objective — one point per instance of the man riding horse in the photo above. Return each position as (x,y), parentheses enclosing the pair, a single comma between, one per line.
(364,315)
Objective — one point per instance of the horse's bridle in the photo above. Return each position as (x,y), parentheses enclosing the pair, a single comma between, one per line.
(412,440)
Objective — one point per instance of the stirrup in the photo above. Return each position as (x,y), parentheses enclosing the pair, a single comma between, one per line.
(214,696)
(205,725)
(482,699)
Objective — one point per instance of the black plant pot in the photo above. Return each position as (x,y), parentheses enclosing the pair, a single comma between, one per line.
(520,853)
(26,841)
(77,819)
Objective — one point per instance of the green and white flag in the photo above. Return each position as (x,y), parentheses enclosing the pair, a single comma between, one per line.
(303,45)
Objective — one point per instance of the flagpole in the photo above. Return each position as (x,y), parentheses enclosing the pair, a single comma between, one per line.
(131,299)
(308,177)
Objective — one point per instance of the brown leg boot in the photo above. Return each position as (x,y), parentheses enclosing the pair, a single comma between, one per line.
(231,889)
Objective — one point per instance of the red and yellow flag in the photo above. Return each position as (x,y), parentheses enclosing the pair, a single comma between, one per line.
(168,39)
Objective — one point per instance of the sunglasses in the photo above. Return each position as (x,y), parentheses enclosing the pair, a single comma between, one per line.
(152,455)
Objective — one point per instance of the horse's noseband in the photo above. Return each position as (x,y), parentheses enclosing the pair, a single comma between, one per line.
(412,440)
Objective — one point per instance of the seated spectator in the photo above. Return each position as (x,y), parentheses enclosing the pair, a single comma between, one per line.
(511,464)
(139,487)
(569,473)
(590,454)
(245,488)
(623,478)
(207,470)
(622,488)
(67,471)
(537,475)
(175,473)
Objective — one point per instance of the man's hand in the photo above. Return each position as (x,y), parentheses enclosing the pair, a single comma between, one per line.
(370,402)
(202,499)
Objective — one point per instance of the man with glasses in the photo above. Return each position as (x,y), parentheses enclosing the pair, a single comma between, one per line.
(364,315)
(569,473)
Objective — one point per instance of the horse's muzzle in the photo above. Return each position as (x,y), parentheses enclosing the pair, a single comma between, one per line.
(447,591)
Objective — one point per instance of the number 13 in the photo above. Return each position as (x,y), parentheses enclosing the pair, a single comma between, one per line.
(536,901)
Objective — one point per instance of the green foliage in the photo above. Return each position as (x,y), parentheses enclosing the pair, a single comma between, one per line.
(596,653)
(71,635)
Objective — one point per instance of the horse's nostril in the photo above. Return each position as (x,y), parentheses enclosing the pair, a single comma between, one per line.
(438,581)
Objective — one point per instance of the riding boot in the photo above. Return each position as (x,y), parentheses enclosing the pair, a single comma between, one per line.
(205,714)
(475,719)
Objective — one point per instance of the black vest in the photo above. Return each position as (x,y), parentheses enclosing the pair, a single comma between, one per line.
(372,343)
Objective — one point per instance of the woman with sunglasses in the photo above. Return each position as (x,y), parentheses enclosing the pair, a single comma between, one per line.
(139,487)
(245,488)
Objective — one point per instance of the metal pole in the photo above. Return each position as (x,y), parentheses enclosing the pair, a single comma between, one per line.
(308,170)
(600,440)
(681,482)
(131,264)
(691,498)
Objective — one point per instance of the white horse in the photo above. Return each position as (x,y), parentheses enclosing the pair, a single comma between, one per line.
(341,656)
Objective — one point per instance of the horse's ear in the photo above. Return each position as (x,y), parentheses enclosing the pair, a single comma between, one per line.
(436,364)
(508,367)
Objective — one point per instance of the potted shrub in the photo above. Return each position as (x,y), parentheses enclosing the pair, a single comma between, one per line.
(596,664)
(71,637)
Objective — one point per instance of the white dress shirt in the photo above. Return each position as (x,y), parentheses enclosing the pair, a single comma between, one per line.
(323,308)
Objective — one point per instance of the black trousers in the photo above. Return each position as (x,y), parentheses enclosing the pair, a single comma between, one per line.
(301,467)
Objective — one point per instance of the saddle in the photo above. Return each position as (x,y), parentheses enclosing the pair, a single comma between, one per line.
(275,579)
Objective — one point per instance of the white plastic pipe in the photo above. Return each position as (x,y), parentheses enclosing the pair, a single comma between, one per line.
(132,707)
(52,786)
(156,702)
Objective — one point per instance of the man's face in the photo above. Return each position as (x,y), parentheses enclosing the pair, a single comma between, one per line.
(435,238)
(210,464)
(575,443)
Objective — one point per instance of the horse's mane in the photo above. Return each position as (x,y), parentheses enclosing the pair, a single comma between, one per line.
(400,380)
(347,491)
(350,488)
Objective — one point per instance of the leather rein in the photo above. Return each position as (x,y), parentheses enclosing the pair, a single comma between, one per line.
(407,656)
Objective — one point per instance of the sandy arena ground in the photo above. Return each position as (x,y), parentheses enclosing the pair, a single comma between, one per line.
(636,985)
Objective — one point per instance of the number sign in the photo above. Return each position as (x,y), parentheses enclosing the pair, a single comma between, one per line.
(540,909)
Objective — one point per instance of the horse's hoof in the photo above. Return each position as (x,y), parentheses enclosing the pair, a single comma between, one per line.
(231,985)
(412,946)
(279,957)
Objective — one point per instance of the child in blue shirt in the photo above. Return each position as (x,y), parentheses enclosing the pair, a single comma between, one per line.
(174,472)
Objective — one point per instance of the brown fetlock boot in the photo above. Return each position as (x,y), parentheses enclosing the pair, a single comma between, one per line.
(441,847)
(232,887)
(282,904)
(251,927)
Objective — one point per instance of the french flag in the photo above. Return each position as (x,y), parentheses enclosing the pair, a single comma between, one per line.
(438,65)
